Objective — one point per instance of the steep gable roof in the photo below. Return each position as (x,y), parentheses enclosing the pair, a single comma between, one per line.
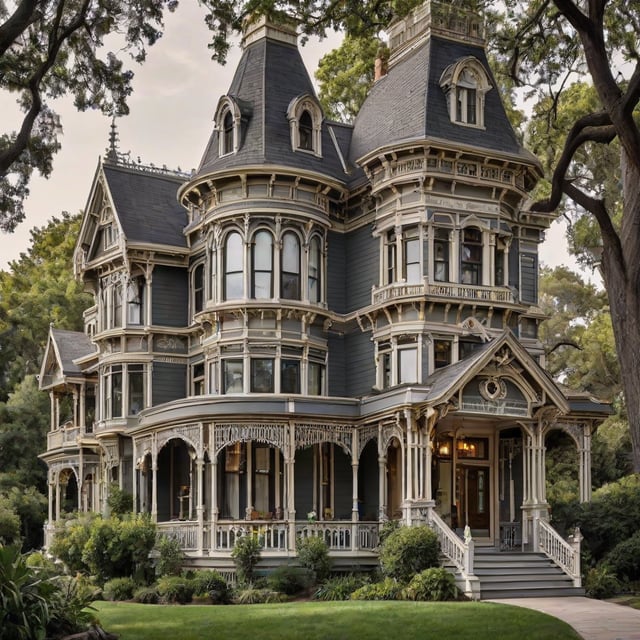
(146,204)
(64,349)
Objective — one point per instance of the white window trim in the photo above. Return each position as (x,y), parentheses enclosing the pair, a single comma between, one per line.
(452,79)
(227,105)
(296,108)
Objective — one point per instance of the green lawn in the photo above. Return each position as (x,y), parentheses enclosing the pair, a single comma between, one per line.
(331,621)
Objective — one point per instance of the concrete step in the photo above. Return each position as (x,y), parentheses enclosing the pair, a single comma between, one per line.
(546,592)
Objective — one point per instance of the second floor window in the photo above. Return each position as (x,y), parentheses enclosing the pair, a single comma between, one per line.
(198,288)
(441,255)
(290,258)
(412,262)
(233,267)
(262,264)
(471,256)
(315,266)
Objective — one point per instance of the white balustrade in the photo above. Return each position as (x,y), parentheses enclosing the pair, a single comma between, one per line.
(555,547)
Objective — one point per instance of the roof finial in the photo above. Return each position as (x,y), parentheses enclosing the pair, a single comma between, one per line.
(112,149)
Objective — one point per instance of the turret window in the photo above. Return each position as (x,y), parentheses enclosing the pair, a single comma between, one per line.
(315,269)
(471,256)
(305,121)
(305,129)
(262,261)
(465,84)
(227,133)
(441,255)
(290,276)
(233,267)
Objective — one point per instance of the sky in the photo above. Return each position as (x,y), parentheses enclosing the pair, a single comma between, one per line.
(175,95)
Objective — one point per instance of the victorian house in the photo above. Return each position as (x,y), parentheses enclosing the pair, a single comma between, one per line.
(325,326)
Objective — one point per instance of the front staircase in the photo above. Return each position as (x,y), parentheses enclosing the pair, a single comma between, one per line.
(514,574)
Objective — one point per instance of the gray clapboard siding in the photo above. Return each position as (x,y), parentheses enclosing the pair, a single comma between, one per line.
(336,272)
(343,480)
(361,370)
(529,277)
(170,299)
(362,268)
(336,366)
(303,482)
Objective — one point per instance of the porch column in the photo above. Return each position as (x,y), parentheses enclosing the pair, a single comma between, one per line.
(250,504)
(58,497)
(200,503)
(80,480)
(74,394)
(428,454)
(50,511)
(83,408)
(290,464)
(409,457)
(584,453)
(355,514)
(278,486)
(52,405)
(154,486)
(214,500)
(134,479)
(382,484)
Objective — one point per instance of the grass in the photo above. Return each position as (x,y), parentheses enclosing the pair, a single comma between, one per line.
(629,600)
(331,621)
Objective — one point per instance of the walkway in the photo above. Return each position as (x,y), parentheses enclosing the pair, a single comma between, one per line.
(592,619)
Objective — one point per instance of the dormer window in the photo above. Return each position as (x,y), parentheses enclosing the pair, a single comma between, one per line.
(465,84)
(228,120)
(305,121)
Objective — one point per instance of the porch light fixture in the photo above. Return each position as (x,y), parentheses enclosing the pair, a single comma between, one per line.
(444,449)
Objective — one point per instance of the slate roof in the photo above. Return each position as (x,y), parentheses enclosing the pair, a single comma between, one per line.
(71,345)
(146,205)
(269,75)
(408,103)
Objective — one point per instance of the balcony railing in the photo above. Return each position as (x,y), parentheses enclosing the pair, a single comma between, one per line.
(400,290)
(62,436)
(495,407)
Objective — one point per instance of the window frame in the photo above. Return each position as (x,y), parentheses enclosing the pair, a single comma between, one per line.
(235,272)
(256,259)
(286,275)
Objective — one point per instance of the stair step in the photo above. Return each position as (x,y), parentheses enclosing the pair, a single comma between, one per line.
(528,579)
(500,594)
(516,571)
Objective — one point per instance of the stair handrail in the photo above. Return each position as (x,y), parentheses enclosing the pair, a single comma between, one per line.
(460,552)
(565,554)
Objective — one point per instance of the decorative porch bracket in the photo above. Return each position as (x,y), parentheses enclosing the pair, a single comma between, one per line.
(565,554)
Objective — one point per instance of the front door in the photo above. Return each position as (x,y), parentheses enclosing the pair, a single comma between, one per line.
(473,498)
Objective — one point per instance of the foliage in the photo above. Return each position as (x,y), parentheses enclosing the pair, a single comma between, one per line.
(408,551)
(106,547)
(432,584)
(388,589)
(120,502)
(345,75)
(340,587)
(118,589)
(213,585)
(388,527)
(610,451)
(601,583)
(251,595)
(291,580)
(624,559)
(146,595)
(313,554)
(34,605)
(175,589)
(170,556)
(38,290)
(246,554)
(9,523)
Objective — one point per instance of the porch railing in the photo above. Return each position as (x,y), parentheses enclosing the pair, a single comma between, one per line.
(457,550)
(341,536)
(566,555)
(184,531)
(272,536)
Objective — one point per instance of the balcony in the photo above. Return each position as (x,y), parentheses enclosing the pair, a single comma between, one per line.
(450,290)
(67,436)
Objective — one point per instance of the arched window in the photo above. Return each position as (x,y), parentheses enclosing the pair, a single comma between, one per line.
(134,301)
(315,265)
(441,255)
(262,265)
(233,268)
(305,129)
(465,84)
(227,133)
(290,276)
(471,256)
(411,257)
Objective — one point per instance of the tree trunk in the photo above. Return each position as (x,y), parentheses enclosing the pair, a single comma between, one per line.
(622,282)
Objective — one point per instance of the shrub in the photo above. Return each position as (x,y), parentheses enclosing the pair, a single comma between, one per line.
(624,559)
(290,580)
(175,589)
(387,529)
(69,607)
(246,554)
(146,595)
(432,584)
(213,585)
(252,595)
(69,540)
(120,502)
(409,550)
(170,557)
(313,554)
(601,583)
(118,589)
(341,587)
(388,589)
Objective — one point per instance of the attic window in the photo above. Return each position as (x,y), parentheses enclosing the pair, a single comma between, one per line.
(227,122)
(305,121)
(110,235)
(465,84)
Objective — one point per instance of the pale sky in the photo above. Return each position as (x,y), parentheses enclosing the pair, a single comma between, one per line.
(175,94)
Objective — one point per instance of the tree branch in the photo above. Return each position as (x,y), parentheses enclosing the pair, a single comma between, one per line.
(21,18)
(594,127)
(572,13)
